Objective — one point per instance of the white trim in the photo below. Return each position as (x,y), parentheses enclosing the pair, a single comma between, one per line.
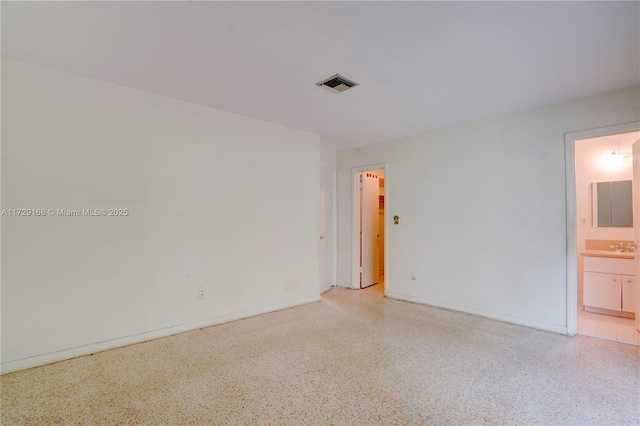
(570,187)
(572,242)
(386,229)
(35,361)
(355,237)
(482,313)
(334,280)
(334,231)
(635,152)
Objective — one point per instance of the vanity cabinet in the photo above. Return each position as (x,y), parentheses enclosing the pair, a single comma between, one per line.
(609,284)
(629,293)
(603,290)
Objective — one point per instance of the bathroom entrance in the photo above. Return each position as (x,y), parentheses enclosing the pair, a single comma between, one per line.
(369,228)
(604,216)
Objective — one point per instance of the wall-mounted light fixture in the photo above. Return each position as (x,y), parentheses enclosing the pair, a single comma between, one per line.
(624,156)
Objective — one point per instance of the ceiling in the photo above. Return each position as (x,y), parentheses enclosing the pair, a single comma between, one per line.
(621,142)
(420,65)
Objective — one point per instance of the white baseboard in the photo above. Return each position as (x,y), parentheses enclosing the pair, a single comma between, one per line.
(344,285)
(487,314)
(623,314)
(48,358)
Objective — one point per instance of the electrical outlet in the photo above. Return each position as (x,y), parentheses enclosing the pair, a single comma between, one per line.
(200,292)
(414,276)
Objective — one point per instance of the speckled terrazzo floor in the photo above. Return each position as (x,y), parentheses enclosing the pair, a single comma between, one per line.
(354,358)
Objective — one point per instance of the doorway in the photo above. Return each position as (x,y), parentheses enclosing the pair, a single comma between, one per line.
(599,262)
(369,227)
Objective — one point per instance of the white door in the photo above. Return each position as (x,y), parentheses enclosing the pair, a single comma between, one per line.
(369,217)
(636,221)
(327,224)
(381,239)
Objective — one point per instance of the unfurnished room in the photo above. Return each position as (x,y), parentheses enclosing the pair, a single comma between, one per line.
(320,213)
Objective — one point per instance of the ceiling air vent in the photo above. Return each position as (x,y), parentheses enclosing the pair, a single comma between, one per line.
(337,83)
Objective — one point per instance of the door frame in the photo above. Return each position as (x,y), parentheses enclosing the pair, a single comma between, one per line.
(635,152)
(355,223)
(571,212)
(334,228)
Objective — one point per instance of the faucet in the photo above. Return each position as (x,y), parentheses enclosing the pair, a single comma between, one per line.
(619,248)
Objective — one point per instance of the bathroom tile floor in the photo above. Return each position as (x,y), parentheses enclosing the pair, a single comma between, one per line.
(607,327)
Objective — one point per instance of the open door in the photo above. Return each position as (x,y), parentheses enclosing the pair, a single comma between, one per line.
(636,222)
(369,230)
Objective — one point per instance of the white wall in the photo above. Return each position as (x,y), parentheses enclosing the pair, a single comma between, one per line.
(327,229)
(594,163)
(482,210)
(328,262)
(216,200)
(328,159)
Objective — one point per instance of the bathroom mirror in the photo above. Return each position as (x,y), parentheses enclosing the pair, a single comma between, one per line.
(612,204)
